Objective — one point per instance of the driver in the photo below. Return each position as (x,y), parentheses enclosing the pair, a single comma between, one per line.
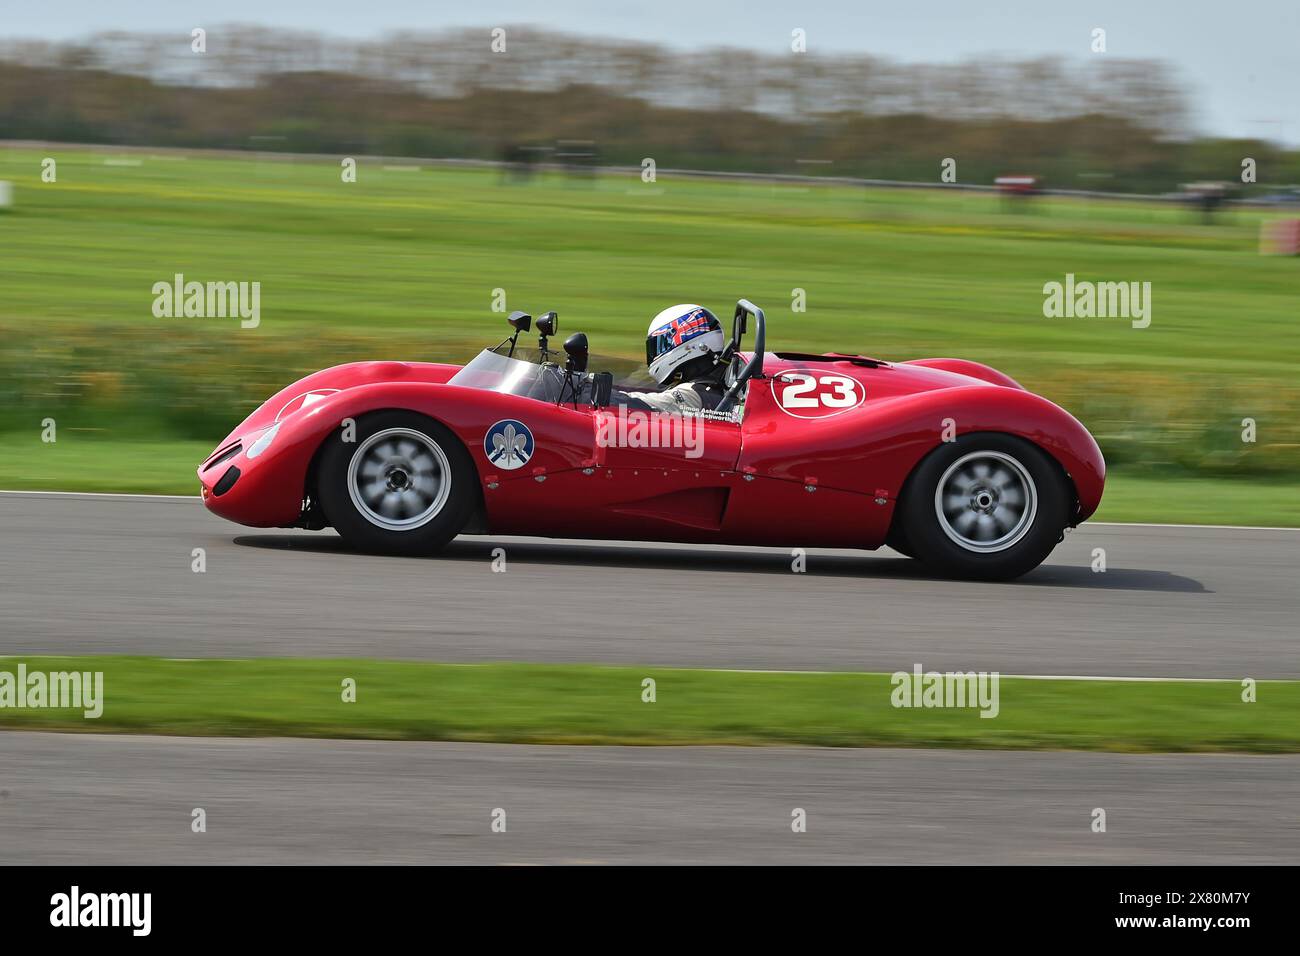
(683,348)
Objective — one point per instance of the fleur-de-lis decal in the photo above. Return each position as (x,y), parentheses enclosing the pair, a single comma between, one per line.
(508,446)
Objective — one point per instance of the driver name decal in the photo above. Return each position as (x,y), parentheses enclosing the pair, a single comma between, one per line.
(508,444)
(802,393)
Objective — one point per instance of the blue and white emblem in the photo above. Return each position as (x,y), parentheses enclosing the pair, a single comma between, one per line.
(508,444)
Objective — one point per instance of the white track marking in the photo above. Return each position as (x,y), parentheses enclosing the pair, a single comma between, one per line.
(1222,527)
(98,494)
(734,670)
(1118,680)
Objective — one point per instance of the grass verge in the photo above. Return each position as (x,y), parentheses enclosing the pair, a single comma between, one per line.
(586,704)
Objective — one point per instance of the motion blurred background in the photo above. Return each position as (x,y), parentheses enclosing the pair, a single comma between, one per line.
(796,155)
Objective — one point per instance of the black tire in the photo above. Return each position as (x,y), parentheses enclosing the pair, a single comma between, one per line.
(402,508)
(898,541)
(976,529)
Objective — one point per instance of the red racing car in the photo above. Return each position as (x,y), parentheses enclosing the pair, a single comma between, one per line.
(947,461)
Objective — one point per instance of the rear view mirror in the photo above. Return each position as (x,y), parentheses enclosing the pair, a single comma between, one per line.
(519,321)
(575,346)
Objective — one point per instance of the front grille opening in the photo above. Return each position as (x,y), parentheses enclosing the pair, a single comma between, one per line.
(227,481)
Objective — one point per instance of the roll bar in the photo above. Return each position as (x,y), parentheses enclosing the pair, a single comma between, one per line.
(754,367)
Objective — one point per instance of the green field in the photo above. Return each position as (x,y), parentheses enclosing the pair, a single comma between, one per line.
(583,704)
(405,264)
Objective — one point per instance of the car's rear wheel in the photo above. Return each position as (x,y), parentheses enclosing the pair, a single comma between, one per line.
(404,485)
(987,506)
(898,541)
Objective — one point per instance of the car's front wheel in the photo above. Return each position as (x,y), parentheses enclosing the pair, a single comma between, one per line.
(987,506)
(404,484)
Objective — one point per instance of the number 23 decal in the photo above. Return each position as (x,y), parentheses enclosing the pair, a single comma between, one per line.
(805,394)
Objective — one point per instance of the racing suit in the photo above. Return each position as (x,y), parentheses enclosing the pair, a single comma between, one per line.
(686,398)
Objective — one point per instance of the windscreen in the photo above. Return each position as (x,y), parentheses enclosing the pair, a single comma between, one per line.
(495,372)
(534,374)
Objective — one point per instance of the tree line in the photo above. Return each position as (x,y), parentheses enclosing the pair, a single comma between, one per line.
(1099,123)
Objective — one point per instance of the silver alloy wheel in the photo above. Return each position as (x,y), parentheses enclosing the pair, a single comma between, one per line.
(986,501)
(399,479)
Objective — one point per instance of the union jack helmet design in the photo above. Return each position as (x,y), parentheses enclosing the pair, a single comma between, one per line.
(679,334)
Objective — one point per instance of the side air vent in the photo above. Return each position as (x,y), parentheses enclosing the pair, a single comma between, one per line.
(223,456)
(859,360)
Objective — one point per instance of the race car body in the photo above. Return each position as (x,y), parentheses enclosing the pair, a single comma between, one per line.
(946,460)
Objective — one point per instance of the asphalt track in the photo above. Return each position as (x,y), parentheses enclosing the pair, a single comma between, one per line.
(100,574)
(84,799)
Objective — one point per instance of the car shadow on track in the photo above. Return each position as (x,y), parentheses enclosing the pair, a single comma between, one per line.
(882,565)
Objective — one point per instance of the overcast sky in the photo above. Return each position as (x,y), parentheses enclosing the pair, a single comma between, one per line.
(1241,60)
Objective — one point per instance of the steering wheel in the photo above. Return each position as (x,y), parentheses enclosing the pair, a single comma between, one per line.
(546,387)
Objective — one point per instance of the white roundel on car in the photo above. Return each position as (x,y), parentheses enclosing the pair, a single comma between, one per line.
(808,393)
(509,444)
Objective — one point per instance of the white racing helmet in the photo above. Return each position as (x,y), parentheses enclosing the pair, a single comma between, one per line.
(679,335)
